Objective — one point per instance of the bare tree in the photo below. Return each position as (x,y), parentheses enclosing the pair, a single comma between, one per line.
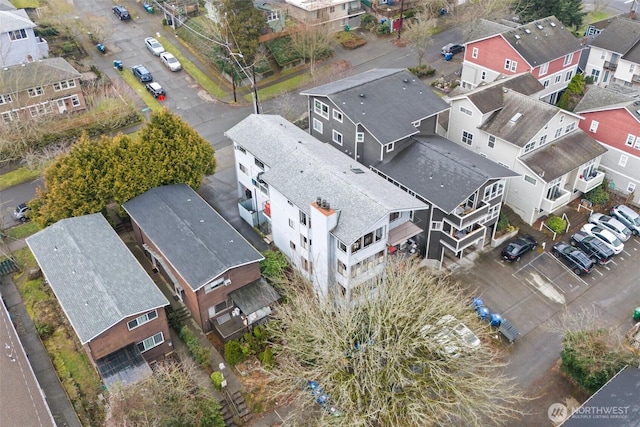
(171,396)
(311,41)
(418,33)
(390,360)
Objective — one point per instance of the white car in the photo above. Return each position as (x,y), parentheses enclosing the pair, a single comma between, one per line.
(613,225)
(607,237)
(170,61)
(154,46)
(452,335)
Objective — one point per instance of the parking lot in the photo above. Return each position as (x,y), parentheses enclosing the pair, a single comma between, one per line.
(534,293)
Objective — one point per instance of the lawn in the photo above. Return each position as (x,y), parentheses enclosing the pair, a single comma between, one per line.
(26,4)
(18,176)
(23,230)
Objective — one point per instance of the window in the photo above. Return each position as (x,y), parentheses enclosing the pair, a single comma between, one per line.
(5,99)
(359,136)
(568,76)
(75,101)
(304,242)
(558,133)
(544,68)
(510,65)
(141,320)
(492,213)
(637,144)
(630,139)
(332,9)
(394,216)
(553,192)
(436,225)
(342,246)
(337,137)
(491,142)
(368,239)
(466,111)
(631,68)
(321,108)
(558,79)
(602,55)
(589,169)
(467,137)
(561,118)
(243,169)
(241,149)
(303,218)
(570,127)
(150,342)
(568,59)
(317,125)
(259,163)
(337,115)
(64,85)
(355,247)
(594,126)
(9,116)
(379,233)
(40,109)
(342,269)
(631,187)
(416,124)
(543,139)
(474,53)
(623,160)
(220,307)
(530,146)
(595,74)
(35,91)
(494,190)
(292,245)
(545,83)
(391,147)
(530,180)
(291,223)
(504,165)
(18,34)
(214,285)
(483,75)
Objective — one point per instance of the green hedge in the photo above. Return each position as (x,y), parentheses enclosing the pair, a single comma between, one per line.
(200,354)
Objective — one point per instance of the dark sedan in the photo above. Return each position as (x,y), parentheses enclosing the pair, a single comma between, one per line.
(518,247)
(593,247)
(577,260)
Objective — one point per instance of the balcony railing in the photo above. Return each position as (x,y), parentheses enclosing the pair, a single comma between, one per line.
(610,65)
(561,199)
(463,217)
(635,78)
(457,240)
(586,184)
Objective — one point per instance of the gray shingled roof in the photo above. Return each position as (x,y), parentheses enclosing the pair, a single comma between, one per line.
(490,97)
(563,155)
(365,98)
(535,115)
(38,73)
(483,28)
(442,171)
(539,46)
(303,168)
(599,98)
(97,281)
(620,36)
(190,234)
(12,20)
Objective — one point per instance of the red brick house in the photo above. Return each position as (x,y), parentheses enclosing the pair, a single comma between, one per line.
(544,48)
(613,119)
(211,267)
(114,307)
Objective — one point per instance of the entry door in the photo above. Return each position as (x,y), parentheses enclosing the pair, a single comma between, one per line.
(61,106)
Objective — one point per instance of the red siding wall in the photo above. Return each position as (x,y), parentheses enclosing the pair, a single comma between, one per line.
(557,65)
(492,54)
(613,128)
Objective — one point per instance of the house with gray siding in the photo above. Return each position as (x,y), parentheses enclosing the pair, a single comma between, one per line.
(18,41)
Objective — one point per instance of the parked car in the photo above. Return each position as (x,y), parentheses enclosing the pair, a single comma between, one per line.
(155,89)
(452,48)
(606,236)
(610,223)
(595,248)
(170,61)
(141,73)
(20,212)
(154,46)
(518,247)
(628,217)
(121,12)
(577,260)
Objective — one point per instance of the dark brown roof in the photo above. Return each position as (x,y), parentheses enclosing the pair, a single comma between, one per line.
(562,156)
(490,97)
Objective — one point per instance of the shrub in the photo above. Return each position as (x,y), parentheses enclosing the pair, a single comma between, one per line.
(503,223)
(274,265)
(233,353)
(367,19)
(201,355)
(266,358)
(599,195)
(44,329)
(557,224)
(216,379)
(383,29)
(174,321)
(423,70)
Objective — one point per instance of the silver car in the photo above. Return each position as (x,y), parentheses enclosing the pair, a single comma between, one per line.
(170,61)
(611,224)
(154,46)
(628,217)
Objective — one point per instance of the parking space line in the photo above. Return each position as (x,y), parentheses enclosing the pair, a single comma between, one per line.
(527,264)
(568,270)
(626,252)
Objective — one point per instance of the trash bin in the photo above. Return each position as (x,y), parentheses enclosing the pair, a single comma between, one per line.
(636,313)
(495,320)
(483,313)
(448,56)
(117,65)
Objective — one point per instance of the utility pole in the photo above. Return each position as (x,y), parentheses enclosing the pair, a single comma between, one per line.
(401,12)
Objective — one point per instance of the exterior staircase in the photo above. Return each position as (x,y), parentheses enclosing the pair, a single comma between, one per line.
(233,407)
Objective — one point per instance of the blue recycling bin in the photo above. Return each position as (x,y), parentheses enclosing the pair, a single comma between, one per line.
(477,303)
(483,313)
(118,65)
(448,56)
(495,320)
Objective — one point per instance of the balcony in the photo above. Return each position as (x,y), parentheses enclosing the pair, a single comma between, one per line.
(610,65)
(457,240)
(586,184)
(635,78)
(561,199)
(463,217)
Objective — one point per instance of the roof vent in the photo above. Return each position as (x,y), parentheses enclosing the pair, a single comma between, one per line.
(362,95)
(318,201)
(553,24)
(515,117)
(405,80)
(357,171)
(538,26)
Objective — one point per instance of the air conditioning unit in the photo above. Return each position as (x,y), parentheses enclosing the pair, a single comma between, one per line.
(227,282)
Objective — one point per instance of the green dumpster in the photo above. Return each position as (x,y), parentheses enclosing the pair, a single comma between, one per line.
(636,313)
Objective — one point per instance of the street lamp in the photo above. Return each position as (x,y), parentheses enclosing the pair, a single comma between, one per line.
(252,79)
